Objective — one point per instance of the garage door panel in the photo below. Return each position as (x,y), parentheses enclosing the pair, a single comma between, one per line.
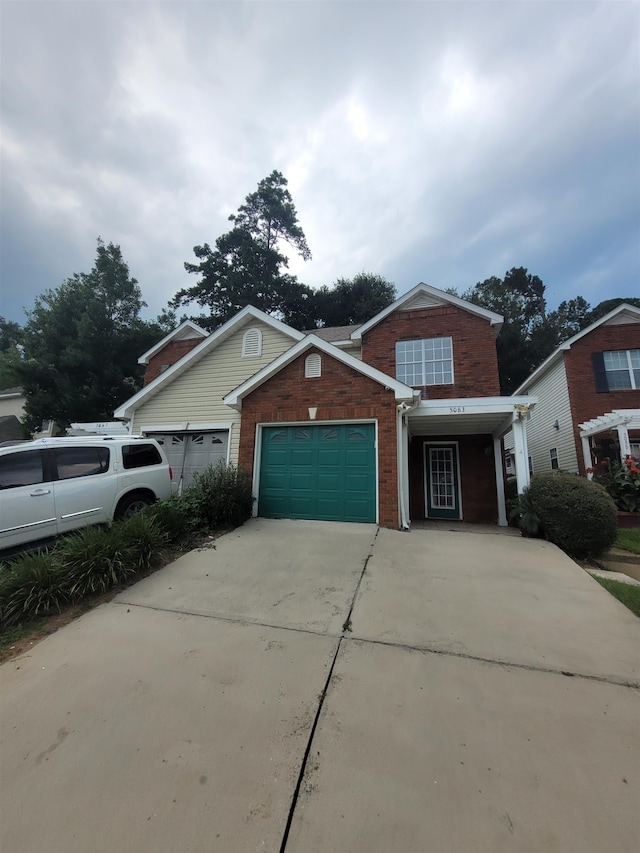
(302,457)
(325,472)
(328,456)
(190,453)
(329,481)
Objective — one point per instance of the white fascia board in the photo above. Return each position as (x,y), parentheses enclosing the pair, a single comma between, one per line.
(491,316)
(473,405)
(188,426)
(401,391)
(146,357)
(126,409)
(556,354)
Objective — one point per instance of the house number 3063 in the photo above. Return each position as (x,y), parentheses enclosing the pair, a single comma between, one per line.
(456,410)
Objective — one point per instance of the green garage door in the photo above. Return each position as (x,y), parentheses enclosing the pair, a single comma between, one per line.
(326,472)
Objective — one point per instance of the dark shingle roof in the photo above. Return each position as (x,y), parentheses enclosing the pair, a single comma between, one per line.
(333,333)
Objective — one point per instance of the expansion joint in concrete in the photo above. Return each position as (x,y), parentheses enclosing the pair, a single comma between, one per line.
(428,650)
(307,752)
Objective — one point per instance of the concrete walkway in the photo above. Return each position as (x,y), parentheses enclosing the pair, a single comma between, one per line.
(307,686)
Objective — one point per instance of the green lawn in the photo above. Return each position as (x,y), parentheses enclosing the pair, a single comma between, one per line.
(629,539)
(628,594)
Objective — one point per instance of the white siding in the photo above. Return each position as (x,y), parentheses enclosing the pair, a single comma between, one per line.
(553,405)
(196,395)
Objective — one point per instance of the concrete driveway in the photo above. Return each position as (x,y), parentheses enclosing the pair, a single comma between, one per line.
(309,686)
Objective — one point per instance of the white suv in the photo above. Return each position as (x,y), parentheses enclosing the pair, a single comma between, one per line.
(53,485)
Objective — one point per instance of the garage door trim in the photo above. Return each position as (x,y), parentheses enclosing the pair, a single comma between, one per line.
(257,458)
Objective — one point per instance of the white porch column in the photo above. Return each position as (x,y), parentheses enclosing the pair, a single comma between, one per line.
(521,454)
(586,452)
(502,506)
(623,437)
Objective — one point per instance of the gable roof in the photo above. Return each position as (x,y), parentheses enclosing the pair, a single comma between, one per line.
(185,331)
(425,296)
(556,355)
(205,346)
(402,392)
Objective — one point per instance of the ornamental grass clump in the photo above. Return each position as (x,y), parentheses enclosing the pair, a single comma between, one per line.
(575,514)
(30,586)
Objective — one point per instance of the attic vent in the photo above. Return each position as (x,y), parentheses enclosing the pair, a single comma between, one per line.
(312,365)
(421,300)
(252,344)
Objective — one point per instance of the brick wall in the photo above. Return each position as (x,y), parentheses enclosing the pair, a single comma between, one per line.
(586,402)
(339,394)
(477,473)
(168,355)
(475,362)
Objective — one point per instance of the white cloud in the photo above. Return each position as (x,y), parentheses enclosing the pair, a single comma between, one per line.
(425,141)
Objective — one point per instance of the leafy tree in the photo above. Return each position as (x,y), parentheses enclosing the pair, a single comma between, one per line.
(247,266)
(529,333)
(608,305)
(352,301)
(82,342)
(10,353)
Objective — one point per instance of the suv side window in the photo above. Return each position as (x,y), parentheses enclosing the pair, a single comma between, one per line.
(80,461)
(140,455)
(21,469)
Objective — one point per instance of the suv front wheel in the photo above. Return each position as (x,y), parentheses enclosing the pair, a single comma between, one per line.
(131,504)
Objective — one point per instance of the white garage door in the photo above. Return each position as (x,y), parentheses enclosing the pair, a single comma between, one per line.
(192,452)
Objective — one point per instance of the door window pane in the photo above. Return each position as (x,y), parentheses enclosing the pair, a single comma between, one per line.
(21,469)
(74,462)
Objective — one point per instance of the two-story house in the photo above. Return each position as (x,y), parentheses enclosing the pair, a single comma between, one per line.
(395,420)
(589,397)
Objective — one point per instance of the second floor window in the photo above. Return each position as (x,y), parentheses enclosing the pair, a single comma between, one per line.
(622,368)
(425,362)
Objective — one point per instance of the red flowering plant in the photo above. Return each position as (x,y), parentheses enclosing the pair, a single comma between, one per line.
(622,481)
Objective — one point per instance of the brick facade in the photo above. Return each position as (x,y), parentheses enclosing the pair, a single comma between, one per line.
(475,363)
(168,356)
(586,403)
(340,394)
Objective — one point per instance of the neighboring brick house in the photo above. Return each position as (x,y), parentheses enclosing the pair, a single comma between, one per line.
(589,396)
(396,420)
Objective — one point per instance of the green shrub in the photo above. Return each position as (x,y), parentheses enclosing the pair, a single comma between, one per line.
(173,518)
(575,514)
(30,585)
(525,516)
(219,497)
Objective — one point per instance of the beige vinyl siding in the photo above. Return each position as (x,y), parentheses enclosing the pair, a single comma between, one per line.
(553,404)
(196,395)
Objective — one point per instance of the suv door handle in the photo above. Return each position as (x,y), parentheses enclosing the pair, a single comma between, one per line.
(39,492)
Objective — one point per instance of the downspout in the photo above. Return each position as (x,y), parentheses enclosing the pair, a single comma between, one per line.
(403,409)
(184,459)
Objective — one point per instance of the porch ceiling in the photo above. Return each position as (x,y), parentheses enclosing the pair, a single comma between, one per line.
(480,424)
(467,416)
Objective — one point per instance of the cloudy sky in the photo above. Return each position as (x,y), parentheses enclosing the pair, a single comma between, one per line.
(425,141)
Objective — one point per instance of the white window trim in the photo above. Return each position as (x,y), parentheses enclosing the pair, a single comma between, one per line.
(249,348)
(553,458)
(630,369)
(423,341)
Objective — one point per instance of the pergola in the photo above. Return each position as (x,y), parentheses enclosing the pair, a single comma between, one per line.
(621,420)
